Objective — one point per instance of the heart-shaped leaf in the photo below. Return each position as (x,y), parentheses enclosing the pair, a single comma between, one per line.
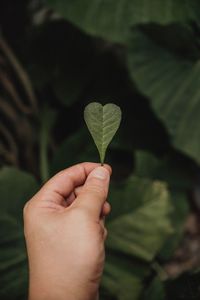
(102,122)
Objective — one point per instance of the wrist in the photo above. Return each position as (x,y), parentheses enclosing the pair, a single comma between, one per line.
(54,289)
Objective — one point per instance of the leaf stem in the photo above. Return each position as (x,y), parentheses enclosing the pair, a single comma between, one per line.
(47,122)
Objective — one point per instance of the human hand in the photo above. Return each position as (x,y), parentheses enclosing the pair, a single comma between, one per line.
(65,234)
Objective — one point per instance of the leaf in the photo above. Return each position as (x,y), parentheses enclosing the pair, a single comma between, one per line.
(141,231)
(112,19)
(172,84)
(102,122)
(121,281)
(171,168)
(47,123)
(139,224)
(155,291)
(13,260)
(16,187)
(179,181)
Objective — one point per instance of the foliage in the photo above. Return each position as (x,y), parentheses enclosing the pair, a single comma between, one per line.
(113,20)
(15,188)
(175,103)
(57,56)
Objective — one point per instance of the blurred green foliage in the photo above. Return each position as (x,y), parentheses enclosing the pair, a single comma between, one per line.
(56,56)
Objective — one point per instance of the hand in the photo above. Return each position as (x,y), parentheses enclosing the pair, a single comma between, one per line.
(65,234)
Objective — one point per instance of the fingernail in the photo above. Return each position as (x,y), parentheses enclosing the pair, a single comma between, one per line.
(101,173)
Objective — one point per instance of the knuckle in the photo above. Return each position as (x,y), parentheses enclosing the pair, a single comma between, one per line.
(61,172)
(101,230)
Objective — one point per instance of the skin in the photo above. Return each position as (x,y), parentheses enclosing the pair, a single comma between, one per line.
(65,234)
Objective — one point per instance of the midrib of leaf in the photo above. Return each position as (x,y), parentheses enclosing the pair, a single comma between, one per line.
(103,133)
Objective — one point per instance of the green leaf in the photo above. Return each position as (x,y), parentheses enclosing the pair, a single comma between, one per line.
(171,169)
(13,259)
(138,227)
(181,209)
(179,180)
(47,122)
(171,80)
(155,291)
(121,281)
(113,19)
(143,227)
(102,122)
(16,187)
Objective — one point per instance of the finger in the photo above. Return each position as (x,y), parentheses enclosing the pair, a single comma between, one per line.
(105,234)
(104,230)
(102,221)
(70,199)
(63,183)
(95,191)
(106,206)
(78,190)
(106,209)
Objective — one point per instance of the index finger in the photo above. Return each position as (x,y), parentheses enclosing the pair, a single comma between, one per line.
(64,182)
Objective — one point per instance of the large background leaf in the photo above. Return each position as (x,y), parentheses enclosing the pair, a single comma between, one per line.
(142,232)
(16,187)
(120,281)
(112,20)
(13,260)
(179,182)
(139,230)
(172,84)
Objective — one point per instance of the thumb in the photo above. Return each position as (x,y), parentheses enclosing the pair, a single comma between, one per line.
(95,191)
